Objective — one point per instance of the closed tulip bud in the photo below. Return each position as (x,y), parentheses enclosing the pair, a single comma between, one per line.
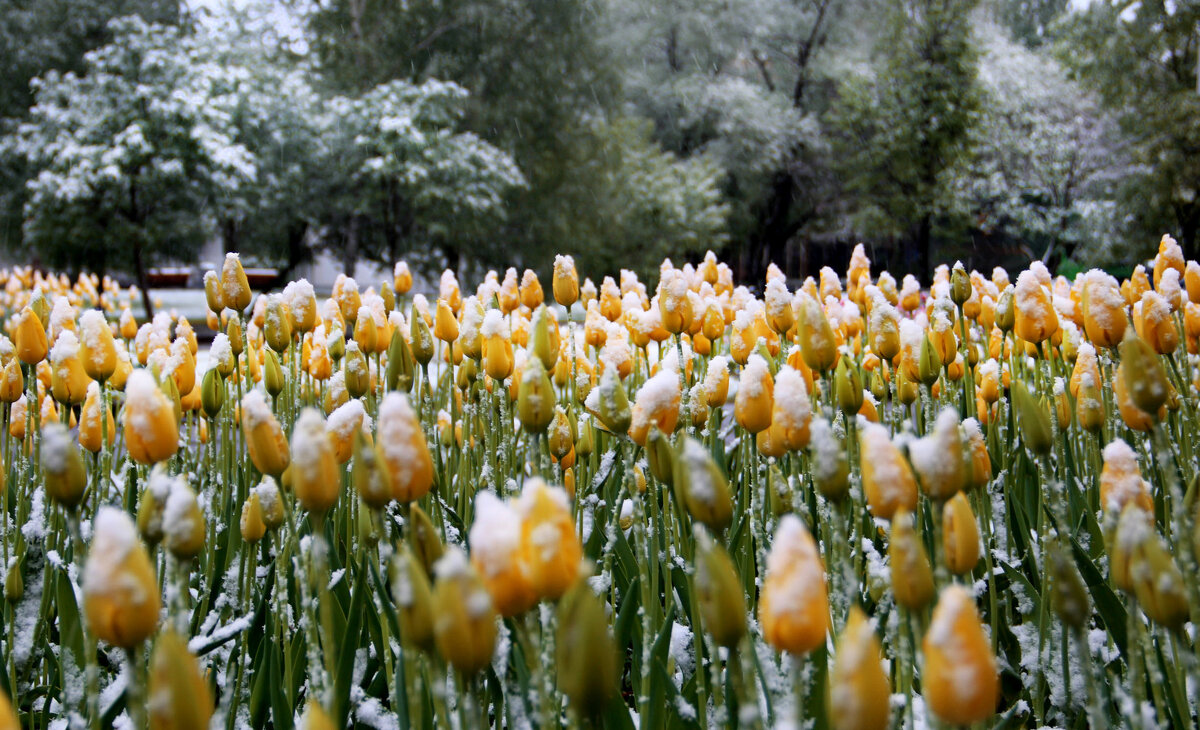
(497,345)
(929,363)
(938,458)
(277,324)
(1145,379)
(414,599)
(1089,406)
(1006,310)
(1121,480)
(857,680)
(16,423)
(233,331)
(91,429)
(40,307)
(979,462)
(97,349)
(960,680)
(500,555)
(755,400)
(357,372)
(273,379)
(251,523)
(1035,317)
(14,590)
(336,344)
(1068,594)
(587,656)
(702,485)
(420,338)
(849,387)
(151,426)
(548,535)
(829,466)
(1158,583)
(177,513)
(402,278)
(12,382)
(887,479)
(212,296)
(960,535)
(793,607)
(235,287)
(565,283)
(264,438)
(445,326)
(1033,418)
(315,718)
(912,577)
(212,393)
(661,457)
(30,337)
(315,475)
(562,434)
(272,504)
(399,364)
(403,448)
(62,466)
(464,623)
(371,480)
(68,381)
(960,285)
(120,595)
(179,697)
(535,397)
(719,591)
(818,346)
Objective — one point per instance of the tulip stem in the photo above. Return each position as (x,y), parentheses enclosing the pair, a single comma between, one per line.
(135,690)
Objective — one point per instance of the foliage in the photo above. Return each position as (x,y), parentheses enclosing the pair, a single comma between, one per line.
(901,133)
(1141,59)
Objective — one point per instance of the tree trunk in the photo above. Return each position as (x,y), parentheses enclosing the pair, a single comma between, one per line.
(1188,217)
(143,280)
(350,252)
(923,235)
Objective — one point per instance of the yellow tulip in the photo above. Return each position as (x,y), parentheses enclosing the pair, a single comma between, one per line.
(315,475)
(960,681)
(265,441)
(887,479)
(403,448)
(857,682)
(960,535)
(794,605)
(179,697)
(30,337)
(120,595)
(755,399)
(464,623)
(151,428)
(552,546)
(97,349)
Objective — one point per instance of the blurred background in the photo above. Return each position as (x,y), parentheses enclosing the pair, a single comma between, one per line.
(143,138)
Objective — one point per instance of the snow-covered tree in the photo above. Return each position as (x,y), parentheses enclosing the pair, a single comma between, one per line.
(1047,158)
(132,157)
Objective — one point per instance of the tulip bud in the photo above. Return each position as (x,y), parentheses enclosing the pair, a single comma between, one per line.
(91,428)
(960,681)
(1033,419)
(702,485)
(212,296)
(1006,311)
(14,588)
(464,623)
(62,466)
(399,364)
(1158,582)
(420,336)
(755,398)
(272,505)
(938,458)
(30,337)
(549,538)
(1068,593)
(97,349)
(929,365)
(912,577)
(414,599)
(1145,379)
(120,595)
(657,403)
(535,397)
(857,680)
(829,465)
(272,374)
(251,523)
(960,285)
(848,386)
(371,480)
(12,382)
(793,607)
(817,343)
(719,591)
(1089,405)
(445,326)
(212,393)
(561,436)
(588,671)
(660,456)
(315,477)
(887,479)
(565,283)
(960,535)
(179,697)
(315,718)
(277,324)
(235,287)
(357,373)
(264,438)
(403,448)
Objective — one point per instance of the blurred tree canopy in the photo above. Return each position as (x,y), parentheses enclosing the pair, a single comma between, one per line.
(466,133)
